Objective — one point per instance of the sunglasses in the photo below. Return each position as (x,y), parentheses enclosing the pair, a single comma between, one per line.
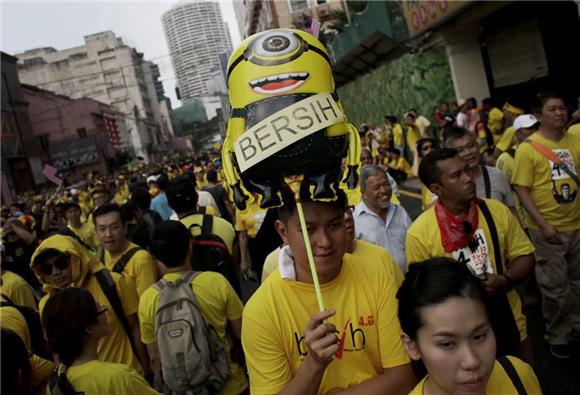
(102,310)
(61,264)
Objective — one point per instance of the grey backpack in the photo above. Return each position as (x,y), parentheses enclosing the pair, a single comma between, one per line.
(193,358)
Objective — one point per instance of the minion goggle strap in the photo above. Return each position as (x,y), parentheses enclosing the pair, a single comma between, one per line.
(286,127)
(275,48)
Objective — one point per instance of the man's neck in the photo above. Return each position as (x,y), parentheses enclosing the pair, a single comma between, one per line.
(381,212)
(475,171)
(551,133)
(88,354)
(456,208)
(76,225)
(115,254)
(184,267)
(304,275)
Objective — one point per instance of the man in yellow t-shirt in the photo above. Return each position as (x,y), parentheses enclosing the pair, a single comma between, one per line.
(550,196)
(121,255)
(17,289)
(455,227)
(291,346)
(84,230)
(413,132)
(495,119)
(216,299)
(61,262)
(507,139)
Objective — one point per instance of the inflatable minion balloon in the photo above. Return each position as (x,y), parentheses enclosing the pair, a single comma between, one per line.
(286,120)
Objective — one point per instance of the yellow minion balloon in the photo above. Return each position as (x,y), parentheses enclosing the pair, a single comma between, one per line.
(286,120)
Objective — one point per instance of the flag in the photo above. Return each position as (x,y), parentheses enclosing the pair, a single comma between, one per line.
(50,173)
(314,28)
(113,132)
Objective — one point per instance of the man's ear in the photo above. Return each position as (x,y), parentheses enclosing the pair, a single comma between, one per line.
(410,347)
(282,230)
(435,188)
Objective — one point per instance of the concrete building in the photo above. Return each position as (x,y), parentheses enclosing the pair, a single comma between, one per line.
(77,135)
(196,35)
(21,153)
(261,15)
(107,70)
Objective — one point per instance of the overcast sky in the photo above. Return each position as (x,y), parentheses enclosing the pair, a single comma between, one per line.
(27,25)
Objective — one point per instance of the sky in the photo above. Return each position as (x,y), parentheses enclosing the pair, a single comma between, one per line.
(61,25)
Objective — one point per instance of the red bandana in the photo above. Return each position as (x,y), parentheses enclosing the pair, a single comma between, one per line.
(456,231)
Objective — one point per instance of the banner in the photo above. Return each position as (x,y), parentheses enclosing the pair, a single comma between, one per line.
(421,15)
(286,127)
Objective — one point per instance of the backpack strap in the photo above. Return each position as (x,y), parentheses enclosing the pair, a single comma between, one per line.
(110,290)
(124,260)
(58,383)
(486,181)
(512,152)
(207,225)
(551,156)
(7,301)
(188,277)
(513,375)
(494,239)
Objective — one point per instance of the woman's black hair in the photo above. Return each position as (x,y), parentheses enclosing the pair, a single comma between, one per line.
(15,364)
(432,282)
(65,317)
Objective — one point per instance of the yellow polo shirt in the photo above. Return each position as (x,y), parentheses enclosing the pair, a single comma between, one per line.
(424,242)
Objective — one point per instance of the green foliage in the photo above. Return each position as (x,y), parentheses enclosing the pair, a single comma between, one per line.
(418,81)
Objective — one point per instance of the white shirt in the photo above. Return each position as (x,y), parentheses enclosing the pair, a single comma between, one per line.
(390,235)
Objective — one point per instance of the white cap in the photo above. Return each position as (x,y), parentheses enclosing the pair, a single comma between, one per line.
(151,179)
(525,121)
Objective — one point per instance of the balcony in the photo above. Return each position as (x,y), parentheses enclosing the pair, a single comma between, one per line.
(374,36)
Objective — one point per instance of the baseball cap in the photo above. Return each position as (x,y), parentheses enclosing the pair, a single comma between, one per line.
(525,121)
(181,189)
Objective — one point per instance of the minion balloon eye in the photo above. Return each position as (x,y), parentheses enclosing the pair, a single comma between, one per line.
(286,121)
(276,45)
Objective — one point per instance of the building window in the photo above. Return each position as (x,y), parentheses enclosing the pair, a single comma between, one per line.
(43,141)
(319,2)
(297,5)
(82,132)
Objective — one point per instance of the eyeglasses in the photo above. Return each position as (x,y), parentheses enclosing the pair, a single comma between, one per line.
(427,147)
(61,264)
(102,310)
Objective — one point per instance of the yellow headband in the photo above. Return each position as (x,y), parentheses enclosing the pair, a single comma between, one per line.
(513,109)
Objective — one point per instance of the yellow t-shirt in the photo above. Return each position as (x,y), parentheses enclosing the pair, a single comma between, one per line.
(574,130)
(427,197)
(505,162)
(217,302)
(220,227)
(17,290)
(97,377)
(12,319)
(141,268)
(115,347)
(363,250)
(500,383)
(87,233)
(398,135)
(553,191)
(251,219)
(424,242)
(363,296)
(495,123)
(413,135)
(507,140)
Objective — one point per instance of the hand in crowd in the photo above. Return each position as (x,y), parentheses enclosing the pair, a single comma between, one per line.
(551,234)
(495,284)
(321,339)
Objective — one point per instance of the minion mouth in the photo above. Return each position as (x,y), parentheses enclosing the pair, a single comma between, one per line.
(278,83)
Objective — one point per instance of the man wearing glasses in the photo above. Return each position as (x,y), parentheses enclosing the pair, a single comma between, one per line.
(61,262)
(457,227)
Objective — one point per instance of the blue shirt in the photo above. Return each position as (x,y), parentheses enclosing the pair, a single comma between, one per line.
(390,235)
(159,204)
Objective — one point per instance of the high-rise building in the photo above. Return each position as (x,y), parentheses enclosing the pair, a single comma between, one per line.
(107,70)
(196,35)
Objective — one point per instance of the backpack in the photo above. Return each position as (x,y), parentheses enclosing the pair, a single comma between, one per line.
(37,343)
(193,358)
(210,253)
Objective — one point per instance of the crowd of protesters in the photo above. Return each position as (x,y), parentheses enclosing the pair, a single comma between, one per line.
(432,305)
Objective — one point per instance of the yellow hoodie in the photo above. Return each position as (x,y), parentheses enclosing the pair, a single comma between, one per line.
(115,347)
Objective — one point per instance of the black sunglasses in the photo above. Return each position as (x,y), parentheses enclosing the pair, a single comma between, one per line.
(61,264)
